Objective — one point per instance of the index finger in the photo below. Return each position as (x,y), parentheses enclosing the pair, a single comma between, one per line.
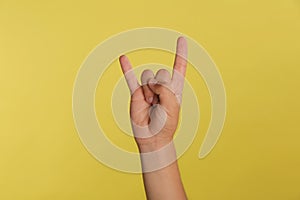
(130,77)
(181,56)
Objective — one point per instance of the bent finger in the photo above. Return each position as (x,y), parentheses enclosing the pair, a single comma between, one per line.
(162,91)
(163,76)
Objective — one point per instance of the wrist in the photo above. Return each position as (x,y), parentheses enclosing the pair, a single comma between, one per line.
(154,158)
(154,144)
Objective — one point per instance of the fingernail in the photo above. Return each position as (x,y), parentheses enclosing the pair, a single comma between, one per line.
(150,99)
(152,81)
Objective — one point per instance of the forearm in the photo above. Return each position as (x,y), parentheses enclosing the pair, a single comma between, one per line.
(164,183)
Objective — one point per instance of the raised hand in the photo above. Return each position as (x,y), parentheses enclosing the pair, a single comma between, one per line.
(155,105)
(154,112)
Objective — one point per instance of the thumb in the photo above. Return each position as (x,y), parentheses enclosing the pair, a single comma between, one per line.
(162,90)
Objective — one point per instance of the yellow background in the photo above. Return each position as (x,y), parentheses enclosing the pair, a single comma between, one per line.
(255,45)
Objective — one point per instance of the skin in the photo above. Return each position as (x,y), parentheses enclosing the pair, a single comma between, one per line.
(164,183)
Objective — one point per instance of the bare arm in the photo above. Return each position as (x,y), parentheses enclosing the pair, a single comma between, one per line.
(164,183)
(159,95)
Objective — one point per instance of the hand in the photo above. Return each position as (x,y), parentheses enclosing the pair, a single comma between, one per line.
(155,106)
(154,111)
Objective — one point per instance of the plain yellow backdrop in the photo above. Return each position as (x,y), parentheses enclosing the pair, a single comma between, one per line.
(255,45)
